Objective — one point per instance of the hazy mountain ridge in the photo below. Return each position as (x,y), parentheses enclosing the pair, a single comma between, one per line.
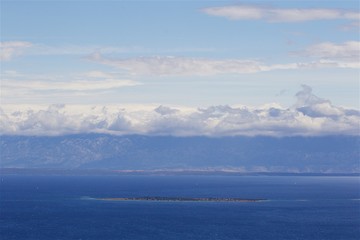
(288,154)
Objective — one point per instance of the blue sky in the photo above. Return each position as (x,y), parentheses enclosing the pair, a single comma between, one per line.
(178,53)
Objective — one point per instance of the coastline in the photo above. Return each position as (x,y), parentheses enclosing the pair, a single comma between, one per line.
(181,199)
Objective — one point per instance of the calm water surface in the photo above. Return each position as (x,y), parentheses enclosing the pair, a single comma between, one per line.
(60,207)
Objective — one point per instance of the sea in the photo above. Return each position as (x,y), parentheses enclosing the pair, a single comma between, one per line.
(65,207)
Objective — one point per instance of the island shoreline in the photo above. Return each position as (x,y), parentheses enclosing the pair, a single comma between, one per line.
(182,199)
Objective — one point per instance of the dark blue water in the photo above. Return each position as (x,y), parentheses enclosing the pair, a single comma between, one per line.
(56,207)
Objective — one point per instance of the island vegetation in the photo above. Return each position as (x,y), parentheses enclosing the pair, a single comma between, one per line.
(183,199)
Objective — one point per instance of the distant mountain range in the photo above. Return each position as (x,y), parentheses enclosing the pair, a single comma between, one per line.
(326,154)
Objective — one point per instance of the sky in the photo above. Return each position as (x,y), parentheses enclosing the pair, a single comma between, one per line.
(180,67)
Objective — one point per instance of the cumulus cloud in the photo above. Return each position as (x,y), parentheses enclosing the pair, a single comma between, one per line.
(11,49)
(316,107)
(309,116)
(163,110)
(271,14)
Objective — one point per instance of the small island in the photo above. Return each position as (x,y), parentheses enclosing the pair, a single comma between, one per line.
(182,199)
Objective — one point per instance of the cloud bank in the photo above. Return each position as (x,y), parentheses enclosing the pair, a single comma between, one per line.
(309,116)
(271,14)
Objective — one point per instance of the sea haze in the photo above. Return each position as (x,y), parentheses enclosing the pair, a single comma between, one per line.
(62,207)
(322,154)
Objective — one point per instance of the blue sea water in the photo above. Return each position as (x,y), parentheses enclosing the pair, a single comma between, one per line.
(298,207)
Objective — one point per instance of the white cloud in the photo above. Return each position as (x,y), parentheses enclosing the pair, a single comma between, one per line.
(11,49)
(81,85)
(347,51)
(163,110)
(271,14)
(97,74)
(169,65)
(313,106)
(182,66)
(310,116)
(82,50)
(16,85)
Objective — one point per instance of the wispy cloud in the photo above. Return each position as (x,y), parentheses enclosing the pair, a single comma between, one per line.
(170,65)
(97,74)
(27,85)
(66,49)
(348,51)
(271,14)
(11,49)
(35,49)
(352,26)
(81,85)
(309,116)
(182,66)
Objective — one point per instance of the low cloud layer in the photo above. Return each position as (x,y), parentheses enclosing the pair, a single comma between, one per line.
(271,14)
(309,116)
